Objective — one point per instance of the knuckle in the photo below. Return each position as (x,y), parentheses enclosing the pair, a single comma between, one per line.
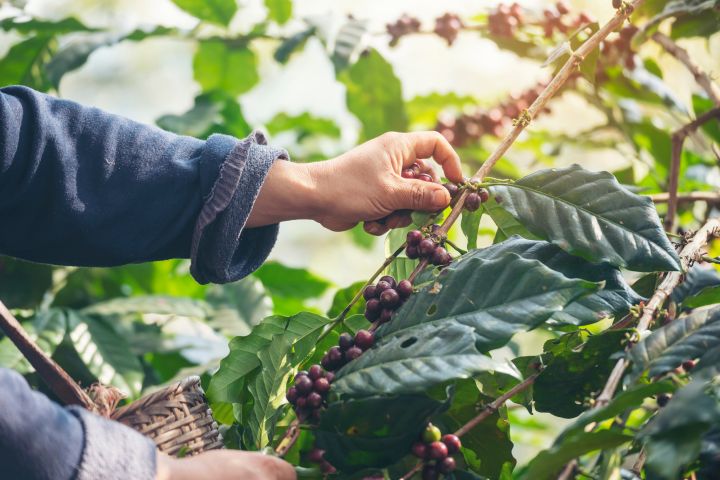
(417,194)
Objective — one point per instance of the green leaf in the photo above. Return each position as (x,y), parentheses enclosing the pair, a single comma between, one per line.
(228,382)
(416,360)
(373,432)
(424,109)
(706,296)
(20,64)
(23,284)
(506,224)
(213,11)
(697,279)
(470,224)
(47,329)
(614,299)
(685,338)
(292,44)
(548,463)
(285,281)
(44,27)
(702,105)
(212,113)
(699,25)
(497,297)
(238,306)
(673,437)
(621,403)
(591,215)
(105,352)
(268,389)
(222,66)
(150,304)
(573,375)
(487,448)
(342,299)
(374,95)
(305,124)
(279,10)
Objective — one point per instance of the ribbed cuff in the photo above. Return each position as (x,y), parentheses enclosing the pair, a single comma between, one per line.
(222,250)
(112,451)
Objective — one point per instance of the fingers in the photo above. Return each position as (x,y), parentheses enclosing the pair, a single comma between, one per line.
(433,144)
(375,228)
(420,195)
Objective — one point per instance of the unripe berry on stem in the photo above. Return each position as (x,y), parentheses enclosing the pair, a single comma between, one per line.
(431,434)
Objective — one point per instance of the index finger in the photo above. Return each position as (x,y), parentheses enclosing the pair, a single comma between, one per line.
(433,144)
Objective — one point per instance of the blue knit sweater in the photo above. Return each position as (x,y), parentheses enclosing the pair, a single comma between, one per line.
(79,186)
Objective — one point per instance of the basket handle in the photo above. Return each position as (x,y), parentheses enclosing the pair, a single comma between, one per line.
(66,389)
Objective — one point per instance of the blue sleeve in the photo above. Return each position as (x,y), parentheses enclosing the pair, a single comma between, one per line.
(39,440)
(79,186)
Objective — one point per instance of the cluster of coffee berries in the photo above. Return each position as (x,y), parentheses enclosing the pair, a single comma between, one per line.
(385,297)
(317,455)
(504,21)
(448,27)
(427,247)
(436,450)
(414,172)
(404,25)
(619,49)
(474,199)
(470,127)
(348,349)
(309,392)
(556,20)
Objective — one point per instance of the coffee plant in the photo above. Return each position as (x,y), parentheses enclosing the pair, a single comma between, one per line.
(415,372)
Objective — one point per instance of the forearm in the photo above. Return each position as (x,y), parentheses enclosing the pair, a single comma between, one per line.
(41,440)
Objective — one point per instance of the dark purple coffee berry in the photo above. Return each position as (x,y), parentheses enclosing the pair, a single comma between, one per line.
(326,363)
(303,384)
(404,288)
(321,386)
(429,472)
(616,4)
(385,316)
(438,450)
(371,316)
(329,376)
(426,247)
(663,399)
(472,202)
(301,402)
(408,173)
(412,252)
(373,305)
(364,339)
(316,455)
(389,298)
(353,353)
(447,465)
(292,395)
(414,237)
(439,256)
(315,372)
(382,286)
(336,355)
(434,228)
(388,279)
(301,373)
(451,188)
(484,195)
(425,177)
(346,340)
(688,365)
(327,468)
(452,442)
(314,400)
(315,414)
(369,292)
(419,449)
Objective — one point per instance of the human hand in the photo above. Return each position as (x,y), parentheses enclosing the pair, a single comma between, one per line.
(364,184)
(224,465)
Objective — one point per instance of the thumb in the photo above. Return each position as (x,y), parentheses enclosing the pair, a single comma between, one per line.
(420,195)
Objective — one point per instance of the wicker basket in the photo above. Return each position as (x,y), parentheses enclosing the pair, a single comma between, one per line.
(177,418)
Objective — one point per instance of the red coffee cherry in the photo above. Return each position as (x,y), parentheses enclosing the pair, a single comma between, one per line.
(364,339)
(452,442)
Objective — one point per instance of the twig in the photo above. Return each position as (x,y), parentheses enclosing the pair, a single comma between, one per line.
(486,412)
(678,140)
(55,377)
(709,197)
(566,71)
(691,252)
(701,77)
(639,462)
(568,471)
(291,435)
